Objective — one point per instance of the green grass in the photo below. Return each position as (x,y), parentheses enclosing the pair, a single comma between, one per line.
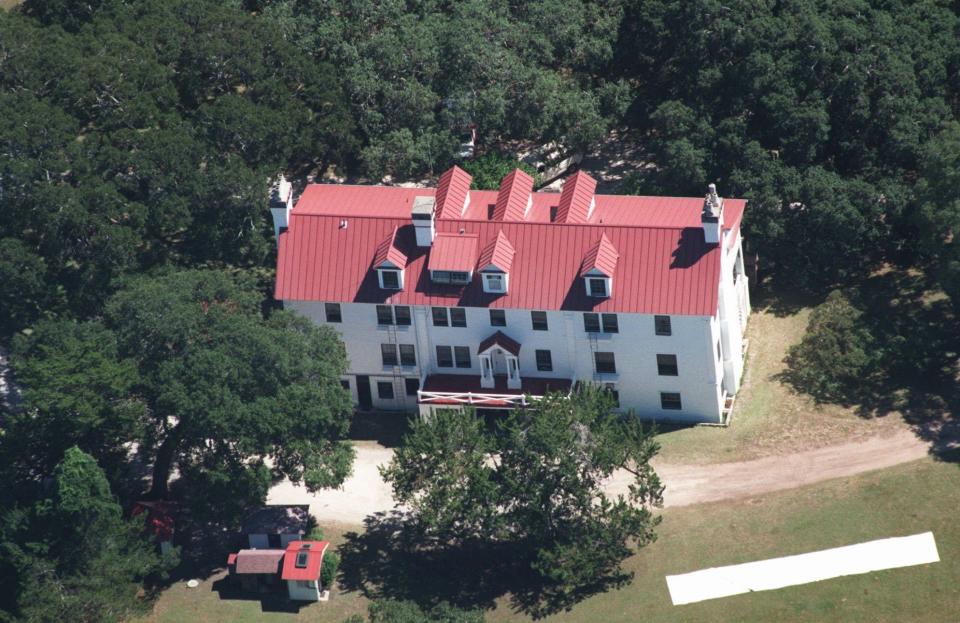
(769,417)
(912,498)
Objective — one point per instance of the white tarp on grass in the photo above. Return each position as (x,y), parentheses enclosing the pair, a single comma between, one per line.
(765,575)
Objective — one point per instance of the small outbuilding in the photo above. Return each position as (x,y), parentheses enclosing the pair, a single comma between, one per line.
(257,569)
(275,526)
(301,569)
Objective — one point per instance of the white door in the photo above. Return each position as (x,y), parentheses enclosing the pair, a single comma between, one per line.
(499,362)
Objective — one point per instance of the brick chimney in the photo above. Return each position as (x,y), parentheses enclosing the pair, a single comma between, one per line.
(281,202)
(712,216)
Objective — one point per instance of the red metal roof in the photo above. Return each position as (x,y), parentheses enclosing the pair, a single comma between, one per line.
(602,257)
(664,266)
(453,252)
(452,192)
(498,252)
(515,189)
(388,253)
(575,200)
(502,340)
(310,570)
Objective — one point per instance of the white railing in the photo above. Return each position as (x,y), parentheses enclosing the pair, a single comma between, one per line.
(473,398)
(743,300)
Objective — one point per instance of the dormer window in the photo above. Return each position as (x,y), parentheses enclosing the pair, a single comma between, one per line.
(598,287)
(455,277)
(390,279)
(494,283)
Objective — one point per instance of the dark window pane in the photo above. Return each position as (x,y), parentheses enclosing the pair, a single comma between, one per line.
(539,319)
(391,279)
(605,363)
(458,317)
(598,287)
(444,357)
(667,365)
(662,325)
(385,390)
(670,400)
(345,383)
(498,318)
(402,314)
(610,323)
(591,323)
(408,356)
(412,386)
(333,312)
(544,361)
(384,314)
(439,316)
(462,354)
(388,352)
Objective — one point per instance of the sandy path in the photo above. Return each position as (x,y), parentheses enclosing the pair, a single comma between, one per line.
(365,493)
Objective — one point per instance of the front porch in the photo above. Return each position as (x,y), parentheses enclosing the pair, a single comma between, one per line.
(457,390)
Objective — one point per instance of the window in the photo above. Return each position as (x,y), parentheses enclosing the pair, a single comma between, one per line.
(597,286)
(494,282)
(553,214)
(462,355)
(605,363)
(439,316)
(345,383)
(458,317)
(389,279)
(332,311)
(719,355)
(498,318)
(388,352)
(444,357)
(306,584)
(591,323)
(661,325)
(385,390)
(610,323)
(667,365)
(670,401)
(412,386)
(301,561)
(408,356)
(450,276)
(384,314)
(544,361)
(539,319)
(402,313)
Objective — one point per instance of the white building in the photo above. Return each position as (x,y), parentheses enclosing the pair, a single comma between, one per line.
(450,296)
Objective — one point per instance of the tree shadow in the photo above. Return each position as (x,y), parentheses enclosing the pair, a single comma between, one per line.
(386,429)
(392,560)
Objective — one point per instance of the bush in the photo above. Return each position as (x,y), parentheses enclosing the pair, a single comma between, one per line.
(836,355)
(328,569)
(490,168)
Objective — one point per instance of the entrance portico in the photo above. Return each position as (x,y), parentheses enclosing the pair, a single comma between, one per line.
(499,355)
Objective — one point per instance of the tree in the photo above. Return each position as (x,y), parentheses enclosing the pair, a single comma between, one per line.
(538,483)
(76,558)
(228,388)
(394,611)
(490,168)
(834,359)
(24,292)
(76,391)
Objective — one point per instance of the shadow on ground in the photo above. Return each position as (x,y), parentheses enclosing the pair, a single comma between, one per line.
(918,340)
(387,429)
(273,601)
(389,560)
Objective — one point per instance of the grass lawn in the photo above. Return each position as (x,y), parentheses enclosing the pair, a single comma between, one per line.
(912,498)
(769,417)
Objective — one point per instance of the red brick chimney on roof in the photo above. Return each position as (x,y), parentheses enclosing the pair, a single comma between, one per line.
(576,200)
(453,193)
(514,198)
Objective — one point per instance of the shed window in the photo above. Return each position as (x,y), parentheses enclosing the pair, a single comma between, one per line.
(597,286)
(390,279)
(332,311)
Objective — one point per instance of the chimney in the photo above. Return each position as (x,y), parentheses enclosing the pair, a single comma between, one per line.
(281,202)
(422,215)
(712,216)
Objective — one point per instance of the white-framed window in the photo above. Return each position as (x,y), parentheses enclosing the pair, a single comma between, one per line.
(494,283)
(598,287)
(455,277)
(390,279)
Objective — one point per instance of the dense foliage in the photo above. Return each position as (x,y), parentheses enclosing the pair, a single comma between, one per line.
(70,556)
(536,483)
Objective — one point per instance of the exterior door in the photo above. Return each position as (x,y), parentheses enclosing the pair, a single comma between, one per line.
(363,393)
(499,362)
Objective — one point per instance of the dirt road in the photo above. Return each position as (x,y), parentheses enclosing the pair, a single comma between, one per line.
(365,492)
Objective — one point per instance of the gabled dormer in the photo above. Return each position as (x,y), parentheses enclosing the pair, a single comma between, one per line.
(598,268)
(452,257)
(389,262)
(494,265)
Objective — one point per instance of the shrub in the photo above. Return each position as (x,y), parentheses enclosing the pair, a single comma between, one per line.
(490,168)
(328,570)
(836,355)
